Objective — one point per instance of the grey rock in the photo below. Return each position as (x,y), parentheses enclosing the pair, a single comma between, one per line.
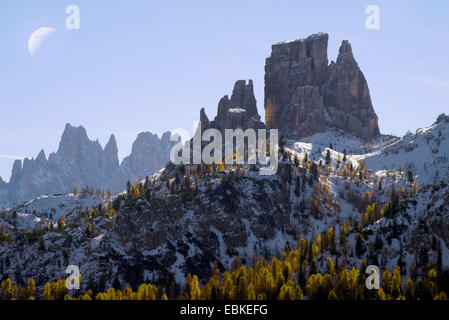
(149,154)
(80,162)
(238,112)
(345,100)
(442,118)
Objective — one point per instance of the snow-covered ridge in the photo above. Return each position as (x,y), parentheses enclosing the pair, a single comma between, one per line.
(44,209)
(425,153)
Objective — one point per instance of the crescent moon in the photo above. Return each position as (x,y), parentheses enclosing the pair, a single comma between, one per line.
(37,37)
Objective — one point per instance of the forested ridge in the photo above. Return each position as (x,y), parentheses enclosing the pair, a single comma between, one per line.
(279,279)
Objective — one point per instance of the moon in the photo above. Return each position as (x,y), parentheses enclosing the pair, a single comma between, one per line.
(37,37)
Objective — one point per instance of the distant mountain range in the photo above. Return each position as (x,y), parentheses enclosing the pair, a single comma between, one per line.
(80,162)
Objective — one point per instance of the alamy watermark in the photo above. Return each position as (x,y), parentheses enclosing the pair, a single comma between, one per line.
(372,22)
(373,280)
(72,22)
(190,151)
(73,281)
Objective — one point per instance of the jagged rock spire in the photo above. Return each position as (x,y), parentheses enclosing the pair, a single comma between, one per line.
(238,112)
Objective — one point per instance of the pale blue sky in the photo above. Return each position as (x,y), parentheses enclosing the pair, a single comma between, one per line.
(151,65)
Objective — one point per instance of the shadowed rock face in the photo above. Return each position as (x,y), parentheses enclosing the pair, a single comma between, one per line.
(238,112)
(306,95)
(443,118)
(149,154)
(243,97)
(77,163)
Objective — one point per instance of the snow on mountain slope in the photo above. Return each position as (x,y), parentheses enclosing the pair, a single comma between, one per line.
(184,218)
(425,153)
(342,141)
(57,205)
(42,210)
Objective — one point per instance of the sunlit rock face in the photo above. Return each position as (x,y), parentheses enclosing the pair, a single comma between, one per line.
(304,94)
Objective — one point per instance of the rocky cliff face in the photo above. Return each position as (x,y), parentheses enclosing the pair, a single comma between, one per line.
(238,112)
(306,95)
(80,162)
(149,154)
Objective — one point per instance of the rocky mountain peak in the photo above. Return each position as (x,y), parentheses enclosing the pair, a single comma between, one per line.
(340,100)
(443,118)
(71,135)
(110,158)
(238,112)
(16,169)
(149,154)
(41,156)
(166,136)
(345,47)
(76,150)
(243,98)
(144,139)
(111,149)
(204,119)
